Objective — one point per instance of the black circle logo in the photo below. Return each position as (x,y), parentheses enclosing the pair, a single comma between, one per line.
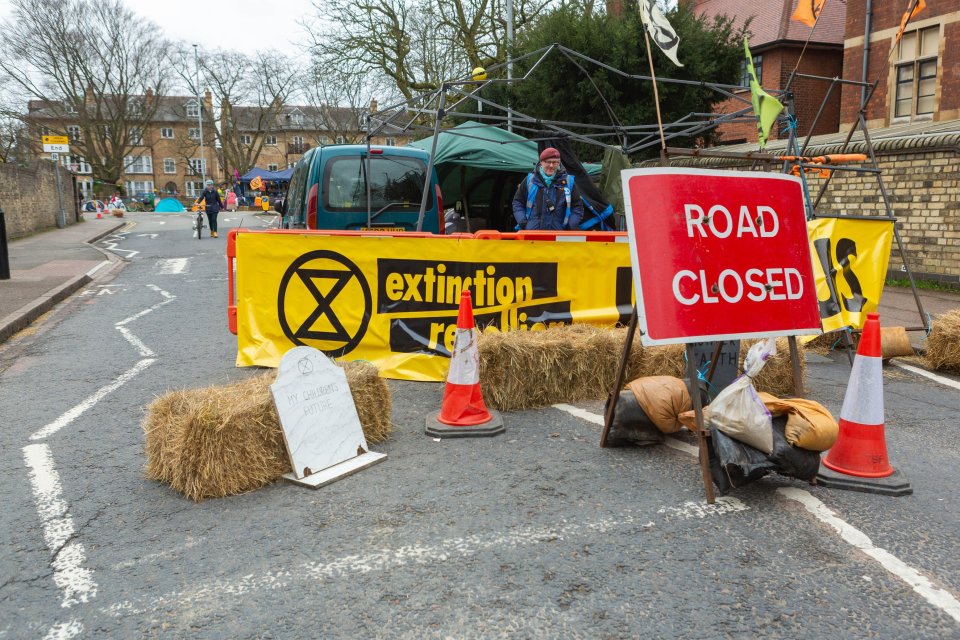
(336,339)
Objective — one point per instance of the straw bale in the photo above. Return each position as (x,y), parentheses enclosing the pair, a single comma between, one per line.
(568,363)
(664,360)
(943,343)
(776,377)
(224,440)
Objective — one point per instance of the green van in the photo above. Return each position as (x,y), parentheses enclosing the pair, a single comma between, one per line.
(328,190)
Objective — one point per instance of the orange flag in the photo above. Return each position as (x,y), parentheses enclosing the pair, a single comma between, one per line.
(808,11)
(908,15)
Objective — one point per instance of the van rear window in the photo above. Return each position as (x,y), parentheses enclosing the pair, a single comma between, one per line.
(396,179)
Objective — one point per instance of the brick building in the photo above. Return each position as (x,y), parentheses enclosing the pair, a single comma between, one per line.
(297,128)
(165,154)
(776,42)
(919,80)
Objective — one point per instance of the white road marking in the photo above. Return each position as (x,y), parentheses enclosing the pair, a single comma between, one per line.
(97,268)
(64,630)
(148,235)
(169,298)
(75,581)
(936,596)
(74,413)
(926,374)
(111,244)
(173,265)
(144,351)
(385,559)
(160,555)
(724,504)
(939,598)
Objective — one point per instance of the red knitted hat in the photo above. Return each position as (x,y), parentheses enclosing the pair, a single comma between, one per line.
(548,153)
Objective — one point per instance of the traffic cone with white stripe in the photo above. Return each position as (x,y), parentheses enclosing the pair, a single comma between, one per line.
(858,460)
(463,412)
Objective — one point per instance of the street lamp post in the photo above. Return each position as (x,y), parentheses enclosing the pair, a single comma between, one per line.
(203,163)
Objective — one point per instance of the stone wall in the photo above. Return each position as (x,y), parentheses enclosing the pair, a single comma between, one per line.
(28,196)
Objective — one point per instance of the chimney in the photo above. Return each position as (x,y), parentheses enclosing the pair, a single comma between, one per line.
(615,8)
(208,101)
(373,105)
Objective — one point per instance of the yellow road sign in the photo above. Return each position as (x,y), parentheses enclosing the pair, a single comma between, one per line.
(56,140)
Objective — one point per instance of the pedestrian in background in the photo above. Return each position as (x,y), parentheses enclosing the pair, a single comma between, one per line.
(212,205)
(548,199)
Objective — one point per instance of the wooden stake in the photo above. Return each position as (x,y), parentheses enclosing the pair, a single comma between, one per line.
(656,94)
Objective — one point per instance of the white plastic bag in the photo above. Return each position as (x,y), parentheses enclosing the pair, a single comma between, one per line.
(738,411)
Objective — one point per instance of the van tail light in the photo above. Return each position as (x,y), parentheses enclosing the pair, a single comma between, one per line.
(312,207)
(441,218)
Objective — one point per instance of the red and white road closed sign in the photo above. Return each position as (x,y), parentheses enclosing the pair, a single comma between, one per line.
(719,255)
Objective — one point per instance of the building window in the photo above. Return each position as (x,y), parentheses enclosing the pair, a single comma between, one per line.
(169,165)
(246,139)
(272,167)
(323,140)
(193,133)
(105,130)
(136,136)
(77,164)
(391,142)
(193,109)
(73,131)
(298,141)
(339,139)
(138,164)
(194,188)
(69,108)
(916,73)
(270,140)
(135,107)
(166,133)
(296,117)
(138,187)
(745,75)
(198,167)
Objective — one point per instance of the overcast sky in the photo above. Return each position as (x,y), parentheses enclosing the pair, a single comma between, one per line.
(242,25)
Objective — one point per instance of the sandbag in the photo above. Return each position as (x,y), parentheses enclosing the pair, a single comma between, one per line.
(734,464)
(631,425)
(809,424)
(663,399)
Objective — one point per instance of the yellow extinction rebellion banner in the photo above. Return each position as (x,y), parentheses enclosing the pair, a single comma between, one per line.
(394,300)
(849,266)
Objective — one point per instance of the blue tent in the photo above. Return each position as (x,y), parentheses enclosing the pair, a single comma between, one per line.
(264,174)
(169,205)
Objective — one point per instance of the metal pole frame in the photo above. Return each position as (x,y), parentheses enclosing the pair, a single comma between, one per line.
(203,160)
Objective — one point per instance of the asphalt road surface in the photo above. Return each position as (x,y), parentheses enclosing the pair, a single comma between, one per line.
(537,533)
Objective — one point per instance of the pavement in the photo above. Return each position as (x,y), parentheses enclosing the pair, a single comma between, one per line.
(49,266)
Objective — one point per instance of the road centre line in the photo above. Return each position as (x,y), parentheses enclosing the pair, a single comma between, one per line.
(144,351)
(169,298)
(390,559)
(926,374)
(75,412)
(69,575)
(939,598)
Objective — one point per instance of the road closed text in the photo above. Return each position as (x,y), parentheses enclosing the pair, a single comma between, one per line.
(705,286)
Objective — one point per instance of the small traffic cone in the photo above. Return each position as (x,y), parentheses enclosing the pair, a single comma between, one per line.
(463,413)
(99,215)
(858,460)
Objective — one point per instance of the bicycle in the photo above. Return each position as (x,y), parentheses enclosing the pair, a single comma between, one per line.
(198,224)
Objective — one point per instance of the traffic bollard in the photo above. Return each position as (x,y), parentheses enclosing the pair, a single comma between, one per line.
(4,254)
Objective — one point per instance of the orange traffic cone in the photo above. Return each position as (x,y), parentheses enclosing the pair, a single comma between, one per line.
(463,412)
(99,215)
(858,460)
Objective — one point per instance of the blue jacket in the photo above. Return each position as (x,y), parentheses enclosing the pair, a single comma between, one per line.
(541,218)
(212,200)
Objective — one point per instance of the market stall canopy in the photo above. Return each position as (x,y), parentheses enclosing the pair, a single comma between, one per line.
(265,174)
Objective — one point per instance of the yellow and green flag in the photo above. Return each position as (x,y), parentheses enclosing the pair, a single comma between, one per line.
(765,106)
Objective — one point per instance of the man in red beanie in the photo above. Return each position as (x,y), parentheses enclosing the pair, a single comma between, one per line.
(548,199)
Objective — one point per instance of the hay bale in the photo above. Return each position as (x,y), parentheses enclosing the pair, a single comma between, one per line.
(943,343)
(776,377)
(569,363)
(221,441)
(664,360)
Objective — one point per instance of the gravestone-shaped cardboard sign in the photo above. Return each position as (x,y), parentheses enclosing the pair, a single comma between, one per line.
(321,428)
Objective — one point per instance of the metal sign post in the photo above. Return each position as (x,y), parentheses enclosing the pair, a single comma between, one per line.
(61,214)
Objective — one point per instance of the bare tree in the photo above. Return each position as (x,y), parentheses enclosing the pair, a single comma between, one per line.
(248,95)
(88,64)
(338,102)
(416,44)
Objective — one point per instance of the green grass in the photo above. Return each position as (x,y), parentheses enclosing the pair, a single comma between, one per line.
(929,285)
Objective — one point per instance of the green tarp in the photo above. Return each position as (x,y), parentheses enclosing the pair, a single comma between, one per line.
(483,151)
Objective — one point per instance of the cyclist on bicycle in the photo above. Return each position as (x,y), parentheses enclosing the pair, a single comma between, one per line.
(212,205)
